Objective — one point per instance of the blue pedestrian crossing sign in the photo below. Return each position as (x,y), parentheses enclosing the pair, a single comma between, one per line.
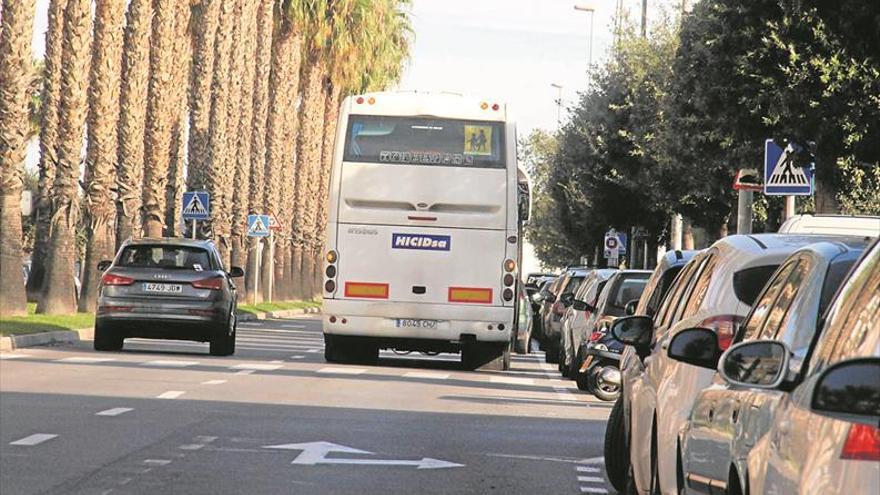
(782,176)
(258,226)
(196,205)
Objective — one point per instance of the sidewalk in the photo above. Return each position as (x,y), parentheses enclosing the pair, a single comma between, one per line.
(11,342)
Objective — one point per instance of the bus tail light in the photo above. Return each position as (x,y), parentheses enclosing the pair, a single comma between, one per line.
(332,256)
(367,290)
(509,265)
(507,295)
(495,107)
(508,279)
(470,295)
(330,286)
(360,100)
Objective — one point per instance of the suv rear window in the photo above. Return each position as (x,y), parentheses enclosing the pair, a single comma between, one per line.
(747,284)
(165,256)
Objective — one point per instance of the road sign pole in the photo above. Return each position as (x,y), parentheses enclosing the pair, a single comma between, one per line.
(789,210)
(271,264)
(194,228)
(744,212)
(255,246)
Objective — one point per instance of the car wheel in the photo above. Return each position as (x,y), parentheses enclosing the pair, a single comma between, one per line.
(616,449)
(608,393)
(106,338)
(225,345)
(551,354)
(574,366)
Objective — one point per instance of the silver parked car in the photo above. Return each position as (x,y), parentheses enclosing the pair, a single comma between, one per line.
(167,289)
(727,418)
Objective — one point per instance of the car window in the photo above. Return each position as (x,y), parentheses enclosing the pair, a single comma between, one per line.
(708,263)
(779,312)
(748,283)
(854,318)
(671,300)
(755,320)
(625,290)
(573,284)
(584,289)
(165,256)
(701,287)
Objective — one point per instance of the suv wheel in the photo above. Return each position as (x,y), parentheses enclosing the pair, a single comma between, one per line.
(225,345)
(106,338)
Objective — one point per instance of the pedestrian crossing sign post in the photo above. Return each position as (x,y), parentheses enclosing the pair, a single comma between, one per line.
(782,176)
(258,226)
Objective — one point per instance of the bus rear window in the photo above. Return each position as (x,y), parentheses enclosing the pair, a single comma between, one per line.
(424,141)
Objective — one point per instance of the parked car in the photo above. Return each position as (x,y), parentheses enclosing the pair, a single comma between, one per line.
(539,300)
(575,318)
(715,290)
(600,353)
(525,320)
(824,435)
(167,289)
(728,418)
(616,434)
(860,225)
(557,302)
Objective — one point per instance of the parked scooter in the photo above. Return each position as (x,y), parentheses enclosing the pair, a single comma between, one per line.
(600,373)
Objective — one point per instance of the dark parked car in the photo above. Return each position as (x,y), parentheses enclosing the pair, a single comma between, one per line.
(167,289)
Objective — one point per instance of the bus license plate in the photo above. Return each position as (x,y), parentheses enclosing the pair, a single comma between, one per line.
(409,323)
(163,288)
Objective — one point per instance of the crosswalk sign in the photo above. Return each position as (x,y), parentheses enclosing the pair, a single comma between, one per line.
(196,205)
(782,176)
(258,226)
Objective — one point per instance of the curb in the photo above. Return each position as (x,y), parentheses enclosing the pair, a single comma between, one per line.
(13,342)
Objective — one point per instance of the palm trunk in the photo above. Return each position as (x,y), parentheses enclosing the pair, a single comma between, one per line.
(132,118)
(15,58)
(205,19)
(262,66)
(60,295)
(331,118)
(48,147)
(177,160)
(160,116)
(100,171)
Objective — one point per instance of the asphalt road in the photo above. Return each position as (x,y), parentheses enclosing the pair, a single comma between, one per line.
(165,417)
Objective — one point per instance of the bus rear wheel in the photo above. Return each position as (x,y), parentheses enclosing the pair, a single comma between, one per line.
(339,349)
(486,356)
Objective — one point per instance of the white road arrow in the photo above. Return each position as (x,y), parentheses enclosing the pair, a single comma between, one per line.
(314,453)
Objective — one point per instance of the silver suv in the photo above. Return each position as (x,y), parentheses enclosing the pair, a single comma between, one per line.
(167,289)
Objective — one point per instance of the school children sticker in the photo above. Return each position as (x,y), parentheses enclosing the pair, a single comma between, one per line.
(478,140)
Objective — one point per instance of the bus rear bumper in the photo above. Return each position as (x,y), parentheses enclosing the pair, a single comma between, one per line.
(384,320)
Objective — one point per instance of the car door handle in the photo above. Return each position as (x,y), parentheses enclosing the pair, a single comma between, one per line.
(665,345)
(784,427)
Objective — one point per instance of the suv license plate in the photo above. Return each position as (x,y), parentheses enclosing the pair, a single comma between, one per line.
(163,288)
(409,323)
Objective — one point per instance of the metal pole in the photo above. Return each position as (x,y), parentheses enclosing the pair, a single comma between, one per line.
(590,53)
(744,212)
(675,231)
(256,268)
(194,228)
(789,210)
(272,270)
(644,18)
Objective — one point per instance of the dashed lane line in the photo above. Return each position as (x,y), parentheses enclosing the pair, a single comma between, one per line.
(214,382)
(116,411)
(511,380)
(587,469)
(170,363)
(157,462)
(256,366)
(84,360)
(4,355)
(591,479)
(244,372)
(426,376)
(35,439)
(342,371)
(171,394)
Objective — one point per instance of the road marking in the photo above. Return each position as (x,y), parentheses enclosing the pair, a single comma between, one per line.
(116,411)
(157,462)
(205,439)
(426,376)
(35,439)
(171,363)
(587,469)
(314,453)
(13,356)
(510,380)
(590,489)
(312,351)
(192,446)
(171,394)
(591,479)
(297,357)
(244,372)
(570,460)
(214,382)
(276,361)
(255,367)
(84,360)
(342,371)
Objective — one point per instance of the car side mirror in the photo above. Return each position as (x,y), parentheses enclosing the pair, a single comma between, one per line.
(630,308)
(550,298)
(538,298)
(103,265)
(849,390)
(582,306)
(696,346)
(633,330)
(566,299)
(756,364)
(236,272)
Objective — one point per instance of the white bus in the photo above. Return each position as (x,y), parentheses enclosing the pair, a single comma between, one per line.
(423,235)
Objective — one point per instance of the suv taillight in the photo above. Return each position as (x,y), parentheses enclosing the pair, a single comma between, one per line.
(724,326)
(110,279)
(213,283)
(862,443)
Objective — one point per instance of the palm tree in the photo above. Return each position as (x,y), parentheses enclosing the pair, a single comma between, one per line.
(177,161)
(59,296)
(48,147)
(100,173)
(15,58)
(132,118)
(205,18)
(160,116)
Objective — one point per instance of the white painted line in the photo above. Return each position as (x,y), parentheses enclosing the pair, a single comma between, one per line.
(255,367)
(587,469)
(591,479)
(276,361)
(116,411)
(84,360)
(214,382)
(590,489)
(13,356)
(312,351)
(342,371)
(512,380)
(35,439)
(157,462)
(297,357)
(426,376)
(170,363)
(192,446)
(171,394)
(244,372)
(205,439)
(592,460)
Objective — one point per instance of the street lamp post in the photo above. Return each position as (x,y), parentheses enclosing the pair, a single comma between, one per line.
(558,105)
(592,11)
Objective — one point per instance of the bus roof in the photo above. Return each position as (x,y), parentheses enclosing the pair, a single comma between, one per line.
(427,104)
